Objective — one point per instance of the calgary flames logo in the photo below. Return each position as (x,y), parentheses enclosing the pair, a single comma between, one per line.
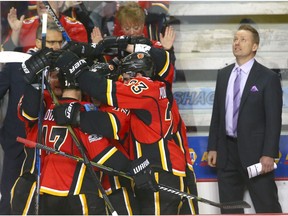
(140,55)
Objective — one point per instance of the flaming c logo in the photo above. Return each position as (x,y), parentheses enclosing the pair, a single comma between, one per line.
(140,55)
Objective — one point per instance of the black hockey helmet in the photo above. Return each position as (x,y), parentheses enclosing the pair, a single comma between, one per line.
(66,83)
(138,62)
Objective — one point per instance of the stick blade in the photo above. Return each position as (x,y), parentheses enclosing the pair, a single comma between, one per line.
(235,205)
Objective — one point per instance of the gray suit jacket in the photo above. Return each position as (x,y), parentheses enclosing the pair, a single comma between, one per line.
(259,121)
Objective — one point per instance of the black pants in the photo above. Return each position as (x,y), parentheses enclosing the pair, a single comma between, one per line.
(190,206)
(162,202)
(11,171)
(233,180)
(124,202)
(83,204)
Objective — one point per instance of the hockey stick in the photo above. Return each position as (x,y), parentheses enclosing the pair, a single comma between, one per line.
(40,120)
(56,20)
(228,205)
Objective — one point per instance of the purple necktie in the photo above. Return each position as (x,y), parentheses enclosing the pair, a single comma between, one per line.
(236,99)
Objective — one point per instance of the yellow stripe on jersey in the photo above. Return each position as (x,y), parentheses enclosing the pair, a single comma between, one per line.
(181,183)
(181,187)
(180,141)
(84,204)
(164,69)
(108,191)
(178,173)
(190,166)
(28,117)
(157,196)
(138,149)
(163,155)
(29,200)
(127,201)
(80,179)
(53,191)
(191,204)
(107,155)
(168,131)
(24,162)
(114,126)
(109,93)
(117,182)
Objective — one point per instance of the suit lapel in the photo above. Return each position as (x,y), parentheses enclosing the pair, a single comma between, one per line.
(226,75)
(253,76)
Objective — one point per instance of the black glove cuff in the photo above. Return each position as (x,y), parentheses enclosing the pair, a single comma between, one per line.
(143,175)
(67,114)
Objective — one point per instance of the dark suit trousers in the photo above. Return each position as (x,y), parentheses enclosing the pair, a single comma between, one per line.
(10,173)
(233,180)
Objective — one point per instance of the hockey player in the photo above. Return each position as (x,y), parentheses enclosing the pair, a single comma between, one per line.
(27,178)
(179,128)
(114,125)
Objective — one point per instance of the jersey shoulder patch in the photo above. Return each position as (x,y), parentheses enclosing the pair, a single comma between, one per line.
(94,137)
(90,107)
(71,20)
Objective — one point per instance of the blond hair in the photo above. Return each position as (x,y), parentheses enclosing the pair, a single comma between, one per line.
(130,12)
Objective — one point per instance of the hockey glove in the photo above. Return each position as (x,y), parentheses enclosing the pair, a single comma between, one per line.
(107,70)
(115,42)
(85,50)
(143,175)
(140,40)
(70,65)
(123,41)
(67,114)
(36,63)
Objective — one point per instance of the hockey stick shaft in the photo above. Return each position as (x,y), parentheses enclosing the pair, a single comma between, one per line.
(229,205)
(56,20)
(44,29)
(40,120)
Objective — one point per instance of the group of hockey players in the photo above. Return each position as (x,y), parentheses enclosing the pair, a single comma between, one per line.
(124,116)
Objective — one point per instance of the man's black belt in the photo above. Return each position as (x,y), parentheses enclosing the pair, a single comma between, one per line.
(233,139)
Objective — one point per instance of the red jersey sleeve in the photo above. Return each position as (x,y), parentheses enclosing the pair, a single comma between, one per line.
(75,29)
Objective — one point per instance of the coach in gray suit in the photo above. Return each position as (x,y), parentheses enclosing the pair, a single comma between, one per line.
(248,132)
